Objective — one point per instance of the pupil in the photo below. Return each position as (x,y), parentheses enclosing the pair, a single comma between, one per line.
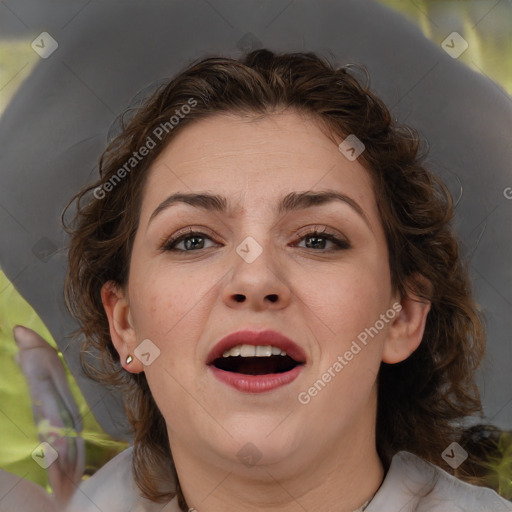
(316,239)
(188,244)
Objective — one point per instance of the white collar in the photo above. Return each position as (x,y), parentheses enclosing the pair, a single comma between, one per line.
(411,484)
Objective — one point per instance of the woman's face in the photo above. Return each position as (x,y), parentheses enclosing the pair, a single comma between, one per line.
(256,266)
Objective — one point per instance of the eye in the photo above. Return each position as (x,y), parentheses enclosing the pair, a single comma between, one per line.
(191,239)
(317,239)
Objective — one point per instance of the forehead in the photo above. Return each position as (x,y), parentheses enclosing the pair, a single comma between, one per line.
(255,160)
(284,137)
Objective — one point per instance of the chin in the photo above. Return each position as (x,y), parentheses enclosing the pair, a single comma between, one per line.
(258,444)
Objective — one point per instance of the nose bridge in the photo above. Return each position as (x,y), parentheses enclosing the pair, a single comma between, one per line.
(256,256)
(256,277)
(254,226)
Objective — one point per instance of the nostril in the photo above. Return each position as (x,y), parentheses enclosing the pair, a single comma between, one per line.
(272,298)
(239,298)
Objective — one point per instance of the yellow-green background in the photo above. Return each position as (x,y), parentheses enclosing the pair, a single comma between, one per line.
(18,431)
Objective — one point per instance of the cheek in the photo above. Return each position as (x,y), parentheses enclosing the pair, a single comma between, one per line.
(171,308)
(348,297)
(162,296)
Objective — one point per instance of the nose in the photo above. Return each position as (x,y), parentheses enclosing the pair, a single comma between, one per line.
(258,278)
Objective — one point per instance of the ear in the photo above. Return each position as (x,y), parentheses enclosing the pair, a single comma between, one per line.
(406,331)
(120,322)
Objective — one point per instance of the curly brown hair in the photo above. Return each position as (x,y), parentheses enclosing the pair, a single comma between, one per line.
(422,400)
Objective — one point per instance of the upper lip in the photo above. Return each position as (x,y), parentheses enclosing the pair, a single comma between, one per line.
(266,337)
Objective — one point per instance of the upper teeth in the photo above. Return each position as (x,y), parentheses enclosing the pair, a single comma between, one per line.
(254,351)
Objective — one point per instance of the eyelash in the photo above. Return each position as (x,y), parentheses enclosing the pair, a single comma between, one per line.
(169,244)
(340,243)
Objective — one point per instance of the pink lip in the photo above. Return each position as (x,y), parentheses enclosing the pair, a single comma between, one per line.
(256,383)
(267,337)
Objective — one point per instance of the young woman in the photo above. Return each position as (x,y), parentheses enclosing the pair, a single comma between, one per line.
(267,273)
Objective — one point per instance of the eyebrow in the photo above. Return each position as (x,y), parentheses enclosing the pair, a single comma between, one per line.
(290,202)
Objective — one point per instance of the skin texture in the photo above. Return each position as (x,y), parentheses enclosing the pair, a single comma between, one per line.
(320,456)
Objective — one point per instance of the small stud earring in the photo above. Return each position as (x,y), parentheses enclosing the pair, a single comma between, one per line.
(129,359)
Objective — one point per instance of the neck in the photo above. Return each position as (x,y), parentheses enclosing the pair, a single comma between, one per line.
(340,478)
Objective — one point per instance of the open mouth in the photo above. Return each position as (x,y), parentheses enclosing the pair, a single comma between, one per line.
(262,362)
(255,360)
(256,365)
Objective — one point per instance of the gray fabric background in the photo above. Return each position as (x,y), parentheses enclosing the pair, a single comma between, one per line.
(54,130)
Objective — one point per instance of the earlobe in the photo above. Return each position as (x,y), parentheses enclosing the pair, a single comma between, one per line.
(406,332)
(120,322)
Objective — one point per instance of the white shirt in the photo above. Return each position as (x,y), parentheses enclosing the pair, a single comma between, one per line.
(404,489)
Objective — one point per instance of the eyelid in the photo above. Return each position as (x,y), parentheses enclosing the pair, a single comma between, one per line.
(318,229)
(321,230)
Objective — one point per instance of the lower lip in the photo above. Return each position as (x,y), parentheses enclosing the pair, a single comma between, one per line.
(256,383)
